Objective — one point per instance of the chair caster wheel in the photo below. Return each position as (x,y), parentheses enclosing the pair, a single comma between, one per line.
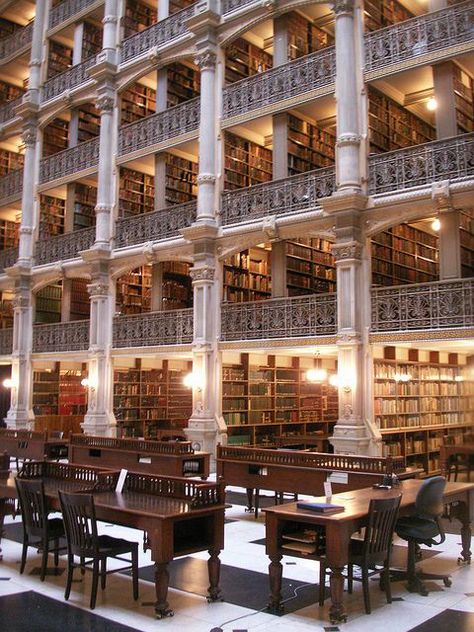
(447,582)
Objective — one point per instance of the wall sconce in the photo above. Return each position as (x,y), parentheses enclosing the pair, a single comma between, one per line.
(89,382)
(431,104)
(9,383)
(436,225)
(193,380)
(344,380)
(317,374)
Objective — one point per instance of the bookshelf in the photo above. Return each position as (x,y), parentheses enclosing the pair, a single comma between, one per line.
(181,179)
(9,92)
(177,5)
(418,398)
(149,399)
(246,162)
(381,13)
(309,146)
(310,267)
(247,276)
(10,161)
(48,304)
(60,58)
(85,200)
(52,211)
(80,304)
(137,102)
(269,397)
(391,126)
(464,99)
(72,396)
(91,40)
(59,399)
(467,243)
(46,391)
(243,59)
(133,294)
(136,193)
(184,83)
(89,123)
(404,254)
(9,234)
(138,16)
(55,137)
(304,37)
(177,285)
(6,310)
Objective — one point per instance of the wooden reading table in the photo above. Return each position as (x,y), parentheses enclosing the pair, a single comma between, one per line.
(28,444)
(286,519)
(300,472)
(173,458)
(180,516)
(448,451)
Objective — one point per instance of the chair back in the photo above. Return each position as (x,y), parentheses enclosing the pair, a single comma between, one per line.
(80,523)
(33,506)
(383,513)
(429,499)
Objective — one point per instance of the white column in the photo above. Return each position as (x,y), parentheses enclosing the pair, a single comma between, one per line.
(29,202)
(110,35)
(157,287)
(278,269)
(437,4)
(78,39)
(348,168)
(163,9)
(106,177)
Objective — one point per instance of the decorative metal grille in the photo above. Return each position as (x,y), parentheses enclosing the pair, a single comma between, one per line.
(296,317)
(158,34)
(16,42)
(11,184)
(289,80)
(6,341)
(67,9)
(153,226)
(451,159)
(159,127)
(438,305)
(419,35)
(70,161)
(232,5)
(63,247)
(68,79)
(7,110)
(280,197)
(8,258)
(153,329)
(71,336)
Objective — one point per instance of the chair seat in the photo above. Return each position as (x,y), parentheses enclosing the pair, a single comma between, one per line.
(107,544)
(415,528)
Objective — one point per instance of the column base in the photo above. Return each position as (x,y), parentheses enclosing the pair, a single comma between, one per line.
(205,433)
(20,420)
(100,425)
(351,439)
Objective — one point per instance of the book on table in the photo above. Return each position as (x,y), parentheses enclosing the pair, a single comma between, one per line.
(322,508)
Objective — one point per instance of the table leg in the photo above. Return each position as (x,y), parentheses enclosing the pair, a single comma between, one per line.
(460,511)
(2,518)
(275,571)
(337,612)
(162,578)
(214,569)
(249,499)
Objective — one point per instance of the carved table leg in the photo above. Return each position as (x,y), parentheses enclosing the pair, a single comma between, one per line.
(249,499)
(337,612)
(275,571)
(214,569)
(460,511)
(162,578)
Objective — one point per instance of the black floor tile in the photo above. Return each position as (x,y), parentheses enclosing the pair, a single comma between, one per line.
(448,621)
(31,612)
(245,588)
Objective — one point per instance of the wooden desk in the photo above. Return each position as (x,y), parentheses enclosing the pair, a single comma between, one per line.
(339,528)
(447,451)
(28,444)
(180,516)
(299,472)
(172,458)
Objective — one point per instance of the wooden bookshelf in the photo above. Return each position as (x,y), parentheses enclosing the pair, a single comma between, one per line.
(391,126)
(59,400)
(137,102)
(147,400)
(247,276)
(136,193)
(48,304)
(404,254)
(6,310)
(274,399)
(80,303)
(243,60)
(246,163)
(91,40)
(464,99)
(381,13)
(133,294)
(181,180)
(10,161)
(46,391)
(184,83)
(309,146)
(177,285)
(9,234)
(310,267)
(55,137)
(52,210)
(59,59)
(85,200)
(467,243)
(9,92)
(138,17)
(305,37)
(89,123)
(417,401)
(72,396)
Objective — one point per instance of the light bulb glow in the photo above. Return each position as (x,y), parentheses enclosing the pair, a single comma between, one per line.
(431,104)
(89,382)
(8,382)
(316,375)
(436,224)
(334,380)
(193,380)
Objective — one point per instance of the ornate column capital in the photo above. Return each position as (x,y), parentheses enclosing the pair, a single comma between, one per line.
(205,273)
(348,250)
(98,289)
(343,7)
(105,103)
(206,60)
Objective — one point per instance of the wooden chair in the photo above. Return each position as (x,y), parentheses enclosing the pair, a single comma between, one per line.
(371,552)
(84,541)
(38,529)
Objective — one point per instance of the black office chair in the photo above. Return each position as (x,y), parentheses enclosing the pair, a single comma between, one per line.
(372,552)
(83,541)
(38,529)
(423,527)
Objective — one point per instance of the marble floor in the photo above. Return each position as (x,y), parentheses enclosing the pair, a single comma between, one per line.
(26,604)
